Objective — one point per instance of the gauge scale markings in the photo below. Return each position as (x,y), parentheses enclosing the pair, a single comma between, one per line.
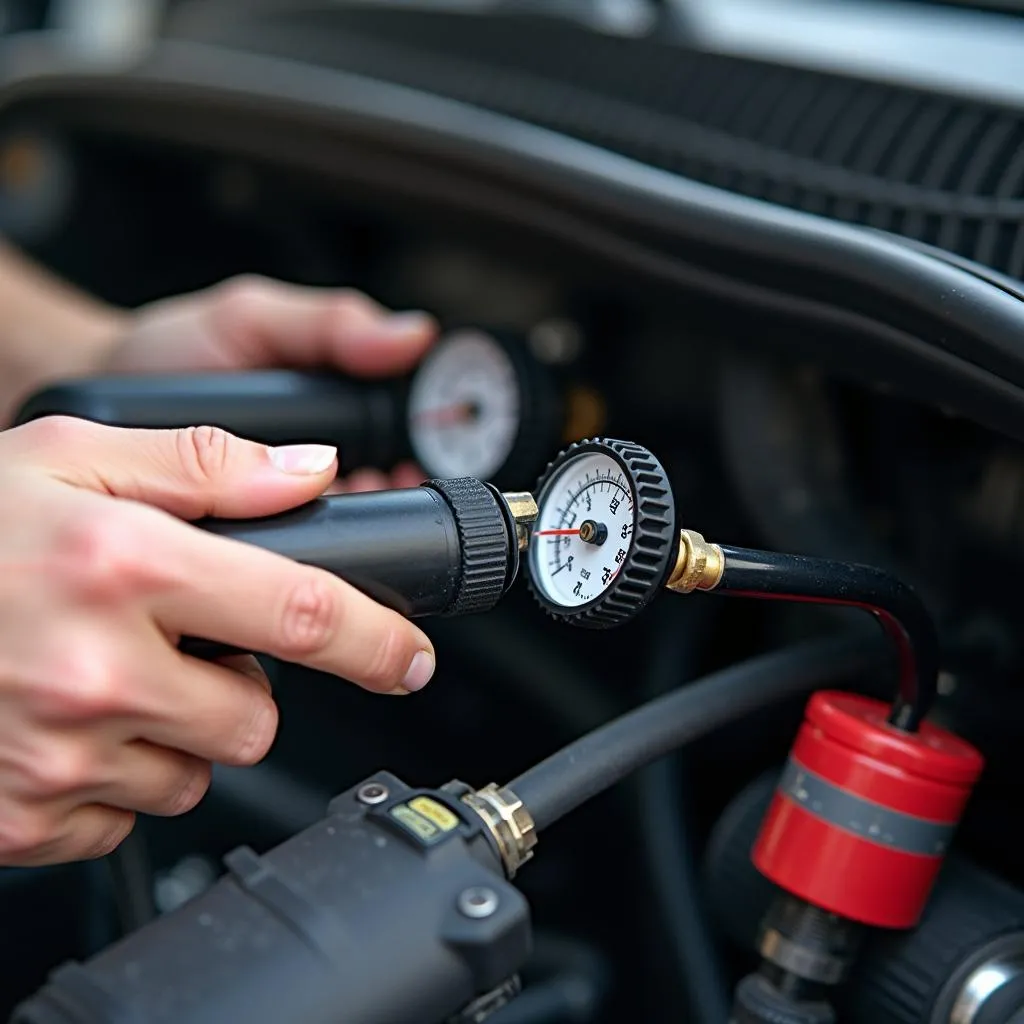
(591,489)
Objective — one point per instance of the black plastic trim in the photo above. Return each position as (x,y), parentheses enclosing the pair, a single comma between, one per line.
(934,331)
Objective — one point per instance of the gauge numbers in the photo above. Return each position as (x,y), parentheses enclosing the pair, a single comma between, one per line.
(465,407)
(584,531)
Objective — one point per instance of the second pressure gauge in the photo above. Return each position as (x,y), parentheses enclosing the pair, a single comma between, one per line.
(605,537)
(480,406)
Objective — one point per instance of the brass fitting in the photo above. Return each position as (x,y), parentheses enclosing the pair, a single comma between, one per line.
(699,565)
(508,821)
(524,511)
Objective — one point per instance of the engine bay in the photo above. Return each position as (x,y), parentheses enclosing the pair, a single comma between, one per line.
(799,402)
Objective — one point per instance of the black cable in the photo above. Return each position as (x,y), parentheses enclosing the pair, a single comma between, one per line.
(895,605)
(132,879)
(666,828)
(595,762)
(566,982)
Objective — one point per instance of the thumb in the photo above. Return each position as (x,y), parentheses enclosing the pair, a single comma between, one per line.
(191,472)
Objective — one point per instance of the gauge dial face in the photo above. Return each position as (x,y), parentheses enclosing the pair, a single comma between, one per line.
(584,530)
(465,405)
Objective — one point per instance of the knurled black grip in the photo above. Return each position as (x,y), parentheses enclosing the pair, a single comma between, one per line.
(485,542)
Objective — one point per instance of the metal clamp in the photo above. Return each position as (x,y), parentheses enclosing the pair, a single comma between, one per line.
(509,823)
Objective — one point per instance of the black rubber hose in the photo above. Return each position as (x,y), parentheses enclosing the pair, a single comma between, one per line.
(595,762)
(131,876)
(566,982)
(663,790)
(895,605)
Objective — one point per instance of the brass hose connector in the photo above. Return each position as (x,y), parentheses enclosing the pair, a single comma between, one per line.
(699,565)
(524,511)
(509,823)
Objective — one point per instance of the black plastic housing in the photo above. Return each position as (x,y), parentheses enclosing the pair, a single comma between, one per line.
(364,420)
(355,920)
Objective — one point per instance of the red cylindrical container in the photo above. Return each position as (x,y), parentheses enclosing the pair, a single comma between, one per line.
(864,813)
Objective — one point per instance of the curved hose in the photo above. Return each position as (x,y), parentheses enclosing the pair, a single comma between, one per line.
(567,779)
(901,613)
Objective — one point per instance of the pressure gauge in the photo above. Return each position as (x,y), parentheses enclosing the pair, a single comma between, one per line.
(480,406)
(605,539)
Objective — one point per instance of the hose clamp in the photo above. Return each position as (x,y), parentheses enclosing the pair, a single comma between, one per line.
(509,823)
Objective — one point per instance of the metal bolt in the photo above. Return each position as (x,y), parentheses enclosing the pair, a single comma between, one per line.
(478,902)
(372,793)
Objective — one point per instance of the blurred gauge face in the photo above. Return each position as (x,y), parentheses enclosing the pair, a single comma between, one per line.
(464,407)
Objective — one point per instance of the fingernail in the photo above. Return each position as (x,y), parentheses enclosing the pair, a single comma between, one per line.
(413,322)
(420,671)
(303,458)
(399,691)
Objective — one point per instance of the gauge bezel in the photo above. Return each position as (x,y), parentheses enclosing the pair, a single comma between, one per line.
(653,547)
(541,405)
(510,371)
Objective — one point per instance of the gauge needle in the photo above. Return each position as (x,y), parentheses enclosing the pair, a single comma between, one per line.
(447,415)
(556,533)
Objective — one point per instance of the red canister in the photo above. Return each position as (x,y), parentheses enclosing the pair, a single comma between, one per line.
(864,812)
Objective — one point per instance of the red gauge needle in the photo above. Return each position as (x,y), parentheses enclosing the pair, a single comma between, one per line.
(556,533)
(447,415)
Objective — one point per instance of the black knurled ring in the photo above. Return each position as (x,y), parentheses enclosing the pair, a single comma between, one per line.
(483,537)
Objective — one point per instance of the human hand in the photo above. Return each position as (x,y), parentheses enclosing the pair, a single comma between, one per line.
(252,322)
(100,714)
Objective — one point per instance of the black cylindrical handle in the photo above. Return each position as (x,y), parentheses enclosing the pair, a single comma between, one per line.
(445,548)
(365,420)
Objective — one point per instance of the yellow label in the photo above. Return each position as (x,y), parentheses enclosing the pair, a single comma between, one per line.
(437,813)
(414,822)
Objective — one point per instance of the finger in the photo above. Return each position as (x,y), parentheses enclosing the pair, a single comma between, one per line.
(272,323)
(362,480)
(403,476)
(154,780)
(192,472)
(248,666)
(206,710)
(407,474)
(32,838)
(91,831)
(252,599)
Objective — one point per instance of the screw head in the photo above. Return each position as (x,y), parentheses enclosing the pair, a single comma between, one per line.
(372,793)
(478,902)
